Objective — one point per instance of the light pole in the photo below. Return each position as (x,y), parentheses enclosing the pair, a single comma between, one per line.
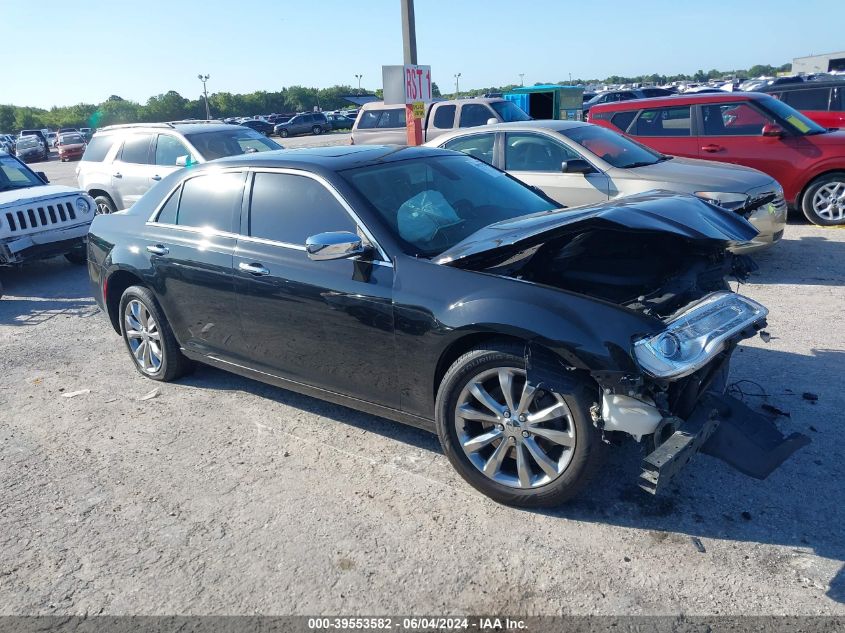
(204,79)
(521,82)
(457,84)
(358,77)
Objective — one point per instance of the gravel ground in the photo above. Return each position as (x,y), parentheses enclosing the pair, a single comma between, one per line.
(219,495)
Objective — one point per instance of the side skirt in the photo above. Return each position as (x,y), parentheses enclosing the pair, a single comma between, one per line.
(314,392)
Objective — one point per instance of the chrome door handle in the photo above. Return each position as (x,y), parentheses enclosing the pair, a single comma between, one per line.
(156,177)
(118,175)
(254,269)
(158,249)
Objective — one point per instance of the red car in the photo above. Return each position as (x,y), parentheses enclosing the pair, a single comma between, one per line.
(751,129)
(821,101)
(71,145)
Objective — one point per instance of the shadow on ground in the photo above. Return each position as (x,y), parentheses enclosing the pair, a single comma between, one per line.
(44,290)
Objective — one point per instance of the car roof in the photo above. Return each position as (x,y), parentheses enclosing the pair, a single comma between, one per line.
(517,126)
(681,99)
(805,85)
(331,158)
(182,128)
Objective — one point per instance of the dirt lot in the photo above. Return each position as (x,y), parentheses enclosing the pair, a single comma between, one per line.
(221,495)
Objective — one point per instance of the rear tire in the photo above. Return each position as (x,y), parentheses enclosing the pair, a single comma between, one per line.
(317,130)
(823,202)
(154,351)
(570,448)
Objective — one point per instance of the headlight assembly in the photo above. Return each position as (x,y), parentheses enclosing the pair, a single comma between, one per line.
(694,337)
(723,198)
(82,205)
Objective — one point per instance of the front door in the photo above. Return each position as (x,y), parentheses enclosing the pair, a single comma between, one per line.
(537,160)
(328,324)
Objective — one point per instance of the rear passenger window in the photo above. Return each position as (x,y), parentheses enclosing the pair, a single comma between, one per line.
(168,212)
(810,99)
(444,117)
(136,149)
(473,114)
(478,145)
(97,148)
(211,201)
(623,119)
(663,122)
(290,209)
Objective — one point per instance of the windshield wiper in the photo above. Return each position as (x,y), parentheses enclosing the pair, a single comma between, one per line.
(642,163)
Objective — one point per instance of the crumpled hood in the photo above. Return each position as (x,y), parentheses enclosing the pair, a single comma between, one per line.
(37,192)
(656,211)
(691,175)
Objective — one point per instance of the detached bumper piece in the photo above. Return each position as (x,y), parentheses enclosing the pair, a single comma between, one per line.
(725,428)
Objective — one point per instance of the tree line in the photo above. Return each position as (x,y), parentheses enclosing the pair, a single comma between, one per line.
(172,106)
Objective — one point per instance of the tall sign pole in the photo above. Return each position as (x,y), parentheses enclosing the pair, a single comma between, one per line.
(413,115)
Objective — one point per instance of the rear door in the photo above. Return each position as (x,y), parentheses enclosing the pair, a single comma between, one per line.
(327,324)
(132,171)
(666,129)
(190,243)
(537,160)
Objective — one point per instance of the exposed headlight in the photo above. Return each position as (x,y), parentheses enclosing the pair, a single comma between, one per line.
(723,198)
(82,205)
(694,337)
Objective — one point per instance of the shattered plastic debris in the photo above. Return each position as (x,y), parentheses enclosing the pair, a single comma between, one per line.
(152,394)
(73,394)
(699,545)
(809,395)
(765,336)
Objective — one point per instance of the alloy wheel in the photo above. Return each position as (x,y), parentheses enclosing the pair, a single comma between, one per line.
(143,337)
(829,201)
(103,208)
(513,433)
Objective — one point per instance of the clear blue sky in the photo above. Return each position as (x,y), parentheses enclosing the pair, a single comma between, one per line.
(139,48)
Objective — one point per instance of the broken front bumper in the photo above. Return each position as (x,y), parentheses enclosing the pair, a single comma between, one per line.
(40,245)
(723,427)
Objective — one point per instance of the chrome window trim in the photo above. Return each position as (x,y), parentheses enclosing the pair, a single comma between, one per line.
(151,221)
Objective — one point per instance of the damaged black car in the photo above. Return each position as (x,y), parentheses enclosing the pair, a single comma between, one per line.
(429,288)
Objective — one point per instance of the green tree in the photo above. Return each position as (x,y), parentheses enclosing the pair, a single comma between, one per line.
(7,118)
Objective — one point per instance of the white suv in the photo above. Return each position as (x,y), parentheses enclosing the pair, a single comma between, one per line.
(39,220)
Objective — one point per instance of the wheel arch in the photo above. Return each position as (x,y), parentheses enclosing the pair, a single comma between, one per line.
(116,284)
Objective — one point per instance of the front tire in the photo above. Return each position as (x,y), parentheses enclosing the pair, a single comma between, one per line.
(104,205)
(824,200)
(283,133)
(518,445)
(154,350)
(78,256)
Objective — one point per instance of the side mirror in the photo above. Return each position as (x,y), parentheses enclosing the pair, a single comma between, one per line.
(43,177)
(492,121)
(772,129)
(182,161)
(333,245)
(576,166)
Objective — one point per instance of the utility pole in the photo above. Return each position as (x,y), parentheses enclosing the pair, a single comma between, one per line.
(358,77)
(521,76)
(457,84)
(409,55)
(204,79)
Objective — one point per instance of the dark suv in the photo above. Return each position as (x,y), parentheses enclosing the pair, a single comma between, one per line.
(306,123)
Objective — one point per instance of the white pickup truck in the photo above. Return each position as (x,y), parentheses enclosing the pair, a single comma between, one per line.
(39,220)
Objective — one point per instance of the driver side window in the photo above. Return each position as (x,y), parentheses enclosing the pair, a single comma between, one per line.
(531,152)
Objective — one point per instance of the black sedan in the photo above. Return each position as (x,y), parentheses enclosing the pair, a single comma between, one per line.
(258,125)
(427,287)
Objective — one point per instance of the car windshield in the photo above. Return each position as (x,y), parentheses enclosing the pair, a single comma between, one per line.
(793,120)
(611,147)
(70,139)
(431,204)
(13,175)
(25,142)
(232,142)
(509,112)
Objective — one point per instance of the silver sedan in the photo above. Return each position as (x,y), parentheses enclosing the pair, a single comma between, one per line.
(578,163)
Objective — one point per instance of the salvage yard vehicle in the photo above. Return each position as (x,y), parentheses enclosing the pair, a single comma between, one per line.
(71,145)
(31,149)
(122,162)
(821,101)
(751,129)
(430,288)
(382,124)
(579,163)
(37,219)
(305,123)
